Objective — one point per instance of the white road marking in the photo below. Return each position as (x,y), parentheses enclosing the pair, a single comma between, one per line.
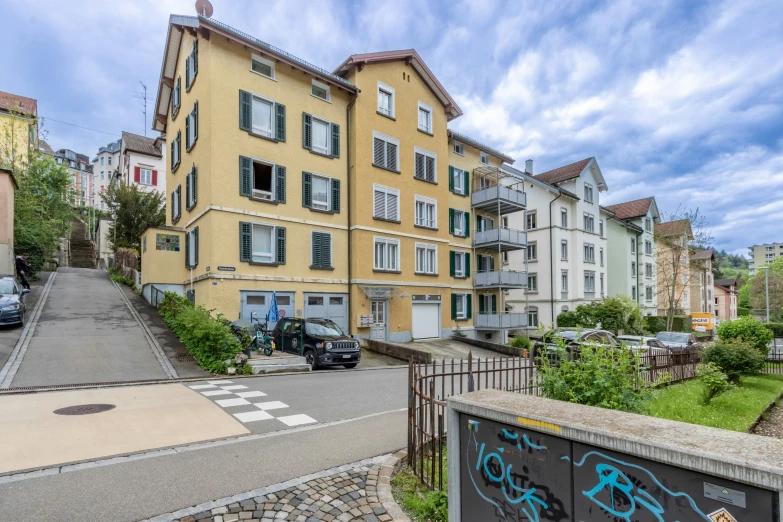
(215,392)
(232,402)
(247,395)
(273,405)
(220,382)
(202,386)
(235,387)
(296,420)
(251,416)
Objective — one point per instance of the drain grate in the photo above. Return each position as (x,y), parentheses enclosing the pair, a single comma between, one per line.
(84,409)
(186,358)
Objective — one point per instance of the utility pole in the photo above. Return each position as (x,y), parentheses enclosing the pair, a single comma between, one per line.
(766,287)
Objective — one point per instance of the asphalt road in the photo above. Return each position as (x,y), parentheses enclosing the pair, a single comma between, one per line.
(9,334)
(86,334)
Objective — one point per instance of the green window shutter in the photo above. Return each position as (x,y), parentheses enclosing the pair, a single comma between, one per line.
(245,111)
(479,262)
(316,247)
(307,189)
(335,140)
(280,183)
(195,58)
(187,132)
(187,250)
(173,197)
(469,299)
(307,131)
(173,144)
(452,255)
(451,178)
(195,122)
(179,91)
(179,200)
(245,176)
(492,264)
(466,181)
(336,196)
(453,306)
(467,224)
(326,250)
(187,191)
(280,128)
(281,245)
(481,305)
(245,241)
(494,304)
(451,221)
(187,74)
(467,265)
(195,246)
(195,186)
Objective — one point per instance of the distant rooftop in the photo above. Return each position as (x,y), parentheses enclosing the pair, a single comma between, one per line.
(22,104)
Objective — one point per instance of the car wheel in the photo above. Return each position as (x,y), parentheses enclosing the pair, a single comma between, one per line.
(21,321)
(311,359)
(350,366)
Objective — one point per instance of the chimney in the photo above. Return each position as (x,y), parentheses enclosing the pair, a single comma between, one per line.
(529,167)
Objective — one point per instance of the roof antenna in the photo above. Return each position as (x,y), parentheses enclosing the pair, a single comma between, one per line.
(204,8)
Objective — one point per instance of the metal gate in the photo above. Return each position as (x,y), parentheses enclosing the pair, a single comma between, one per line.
(259,303)
(328,306)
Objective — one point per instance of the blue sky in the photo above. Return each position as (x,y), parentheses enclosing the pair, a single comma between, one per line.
(680,100)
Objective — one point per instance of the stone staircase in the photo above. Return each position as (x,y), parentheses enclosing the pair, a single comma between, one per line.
(278,362)
(82,252)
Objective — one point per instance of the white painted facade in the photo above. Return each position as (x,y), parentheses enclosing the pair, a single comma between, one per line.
(104,164)
(151,168)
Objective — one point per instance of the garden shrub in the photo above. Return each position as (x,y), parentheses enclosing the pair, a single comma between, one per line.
(714,380)
(735,359)
(657,323)
(520,341)
(600,376)
(777,329)
(747,329)
(568,319)
(612,313)
(743,311)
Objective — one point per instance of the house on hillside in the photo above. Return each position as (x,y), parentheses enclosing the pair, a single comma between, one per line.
(143,162)
(726,293)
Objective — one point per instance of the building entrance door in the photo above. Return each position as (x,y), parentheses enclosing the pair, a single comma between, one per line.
(378,327)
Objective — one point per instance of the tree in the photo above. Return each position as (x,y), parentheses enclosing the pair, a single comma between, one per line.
(678,236)
(757,291)
(134,211)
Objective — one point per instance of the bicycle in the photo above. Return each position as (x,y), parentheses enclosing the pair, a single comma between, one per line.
(262,340)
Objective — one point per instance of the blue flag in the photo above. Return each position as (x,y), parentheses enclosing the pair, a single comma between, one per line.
(272,314)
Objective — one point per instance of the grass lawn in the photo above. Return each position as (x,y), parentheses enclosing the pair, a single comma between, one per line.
(420,504)
(734,410)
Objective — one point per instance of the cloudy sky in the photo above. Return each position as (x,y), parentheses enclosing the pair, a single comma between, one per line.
(682,100)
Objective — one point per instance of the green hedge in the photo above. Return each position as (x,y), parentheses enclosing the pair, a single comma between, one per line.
(656,323)
(743,311)
(777,329)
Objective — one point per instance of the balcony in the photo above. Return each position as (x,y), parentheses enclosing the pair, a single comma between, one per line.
(499,199)
(500,321)
(507,239)
(500,279)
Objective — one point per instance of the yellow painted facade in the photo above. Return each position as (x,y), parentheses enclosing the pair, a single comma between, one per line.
(18,135)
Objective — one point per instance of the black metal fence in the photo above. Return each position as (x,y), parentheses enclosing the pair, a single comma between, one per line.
(156,296)
(775,358)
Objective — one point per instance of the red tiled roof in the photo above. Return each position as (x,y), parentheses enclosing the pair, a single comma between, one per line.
(702,254)
(674,228)
(141,144)
(14,102)
(631,209)
(565,173)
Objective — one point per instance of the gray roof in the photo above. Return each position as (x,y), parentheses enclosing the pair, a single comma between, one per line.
(141,144)
(480,146)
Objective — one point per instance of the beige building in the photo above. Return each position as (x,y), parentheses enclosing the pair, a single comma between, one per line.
(18,129)
(701,280)
(7,188)
(80,170)
(761,255)
(674,273)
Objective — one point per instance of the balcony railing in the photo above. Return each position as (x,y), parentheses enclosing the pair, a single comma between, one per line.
(499,321)
(508,278)
(510,238)
(499,197)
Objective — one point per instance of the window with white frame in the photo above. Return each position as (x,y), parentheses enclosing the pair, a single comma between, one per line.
(633,245)
(601,227)
(532,316)
(532,251)
(459,180)
(101,160)
(321,252)
(685,298)
(459,223)
(530,220)
(102,178)
(321,90)
(385,99)
(563,218)
(387,254)
(589,253)
(263,116)
(263,243)
(262,66)
(633,293)
(459,148)
(589,281)
(263,180)
(648,248)
(425,165)
(532,282)
(191,124)
(426,258)
(588,193)
(109,160)
(459,264)
(191,66)
(386,203)
(192,239)
(769,256)
(461,306)
(769,249)
(176,204)
(601,256)
(564,249)
(425,117)
(564,280)
(633,268)
(385,151)
(484,158)
(321,193)
(322,138)
(648,224)
(648,293)
(504,257)
(648,271)
(589,222)
(145,176)
(426,212)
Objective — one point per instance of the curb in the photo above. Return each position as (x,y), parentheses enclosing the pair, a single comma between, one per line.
(764,412)
(384,471)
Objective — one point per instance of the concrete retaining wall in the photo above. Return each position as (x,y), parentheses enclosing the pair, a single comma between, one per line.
(400,352)
(495,347)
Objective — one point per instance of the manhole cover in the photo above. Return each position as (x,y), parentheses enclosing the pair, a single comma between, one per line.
(84,409)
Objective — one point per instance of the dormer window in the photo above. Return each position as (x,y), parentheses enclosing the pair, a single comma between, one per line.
(321,90)
(262,66)
(484,158)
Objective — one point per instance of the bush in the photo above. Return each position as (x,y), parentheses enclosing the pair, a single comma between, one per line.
(657,323)
(600,376)
(568,320)
(520,341)
(747,329)
(612,313)
(735,359)
(777,329)
(715,382)
(208,340)
(743,311)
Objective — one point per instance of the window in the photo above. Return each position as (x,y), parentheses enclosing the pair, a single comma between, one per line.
(530,220)
(175,151)
(191,248)
(262,66)
(648,293)
(532,251)
(387,252)
(633,293)
(769,249)
(385,100)
(386,203)
(648,270)
(564,280)
(648,248)
(262,243)
(504,257)
(588,193)
(564,218)
(589,223)
(176,100)
(321,250)
(532,316)
(145,176)
(589,253)
(102,178)
(425,165)
(601,256)
(532,282)
(426,259)
(484,158)
(648,224)
(261,180)
(459,148)
(320,192)
(601,227)
(191,66)
(385,151)
(101,205)
(589,281)
(685,298)
(425,118)
(460,264)
(101,160)
(564,249)
(320,141)
(460,306)
(109,160)
(190,188)
(262,117)
(176,204)
(191,127)
(459,222)
(426,212)
(458,181)
(633,245)
(633,268)
(321,90)
(769,256)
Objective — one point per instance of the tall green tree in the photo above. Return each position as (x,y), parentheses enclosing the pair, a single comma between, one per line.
(757,291)
(134,211)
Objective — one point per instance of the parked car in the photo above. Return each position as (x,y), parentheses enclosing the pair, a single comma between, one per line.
(647,347)
(678,340)
(321,341)
(12,306)
(574,338)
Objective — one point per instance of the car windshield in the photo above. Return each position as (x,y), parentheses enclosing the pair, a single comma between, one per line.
(568,335)
(6,287)
(325,328)
(672,337)
(630,342)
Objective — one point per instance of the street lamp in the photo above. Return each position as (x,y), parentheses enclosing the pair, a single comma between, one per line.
(766,285)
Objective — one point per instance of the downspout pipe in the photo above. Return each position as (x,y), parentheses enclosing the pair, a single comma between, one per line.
(348,190)
(552,256)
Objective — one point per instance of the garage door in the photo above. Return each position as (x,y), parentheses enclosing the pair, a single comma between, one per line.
(426,320)
(328,306)
(259,302)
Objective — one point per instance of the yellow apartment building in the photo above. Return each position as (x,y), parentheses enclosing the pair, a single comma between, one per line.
(344,192)
(674,272)
(18,129)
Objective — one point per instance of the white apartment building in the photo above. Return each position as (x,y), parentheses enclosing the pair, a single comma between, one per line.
(80,170)
(632,254)
(567,241)
(143,162)
(104,165)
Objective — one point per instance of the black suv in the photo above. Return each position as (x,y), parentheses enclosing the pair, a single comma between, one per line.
(320,341)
